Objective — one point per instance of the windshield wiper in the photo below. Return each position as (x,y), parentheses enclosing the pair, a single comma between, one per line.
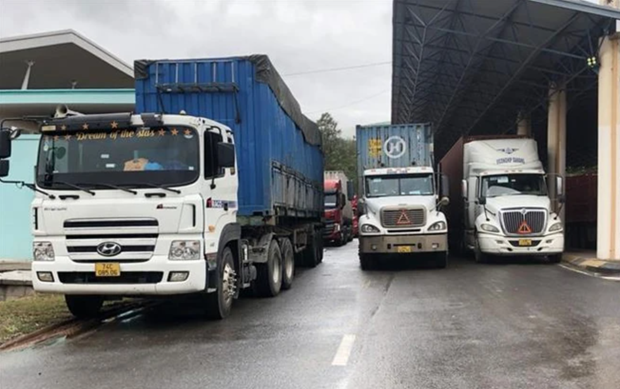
(115,187)
(163,187)
(74,186)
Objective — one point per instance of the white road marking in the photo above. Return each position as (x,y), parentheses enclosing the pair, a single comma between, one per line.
(344,351)
(589,274)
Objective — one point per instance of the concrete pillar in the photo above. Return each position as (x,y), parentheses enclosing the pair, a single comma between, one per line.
(608,218)
(556,137)
(524,125)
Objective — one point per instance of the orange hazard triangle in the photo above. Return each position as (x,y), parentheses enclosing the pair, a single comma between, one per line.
(524,228)
(403,219)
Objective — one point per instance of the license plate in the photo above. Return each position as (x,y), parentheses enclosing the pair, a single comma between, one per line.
(525,242)
(107,269)
(404,249)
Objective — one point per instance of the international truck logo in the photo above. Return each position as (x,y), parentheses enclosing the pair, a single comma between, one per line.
(109,249)
(403,220)
(395,147)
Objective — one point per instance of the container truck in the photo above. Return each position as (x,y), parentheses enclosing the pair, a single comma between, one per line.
(505,207)
(338,210)
(214,185)
(400,208)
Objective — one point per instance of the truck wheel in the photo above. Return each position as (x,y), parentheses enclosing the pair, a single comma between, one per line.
(311,252)
(219,303)
(441,260)
(269,277)
(555,258)
(350,234)
(84,307)
(288,263)
(366,262)
(479,256)
(320,246)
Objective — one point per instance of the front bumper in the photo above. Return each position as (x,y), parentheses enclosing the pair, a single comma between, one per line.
(397,244)
(156,266)
(502,245)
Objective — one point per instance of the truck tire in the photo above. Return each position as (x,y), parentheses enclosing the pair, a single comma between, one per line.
(367,262)
(311,252)
(441,260)
(320,246)
(269,275)
(350,234)
(84,307)
(288,263)
(555,258)
(479,256)
(219,304)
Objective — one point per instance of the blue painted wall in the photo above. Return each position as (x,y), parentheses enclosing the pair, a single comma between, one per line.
(15,217)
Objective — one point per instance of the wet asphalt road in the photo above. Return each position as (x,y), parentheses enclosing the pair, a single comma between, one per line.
(515,325)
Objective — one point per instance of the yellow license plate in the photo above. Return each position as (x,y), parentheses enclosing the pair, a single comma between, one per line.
(404,249)
(107,269)
(525,242)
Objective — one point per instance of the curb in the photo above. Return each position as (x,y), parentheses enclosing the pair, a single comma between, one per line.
(592,265)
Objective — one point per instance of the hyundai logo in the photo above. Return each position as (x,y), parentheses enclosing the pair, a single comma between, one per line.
(109,249)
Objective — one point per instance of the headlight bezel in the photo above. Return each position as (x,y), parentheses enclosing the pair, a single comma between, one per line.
(43,252)
(556,227)
(490,228)
(184,250)
(438,226)
(369,229)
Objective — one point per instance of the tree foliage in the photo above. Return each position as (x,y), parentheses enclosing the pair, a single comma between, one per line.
(340,153)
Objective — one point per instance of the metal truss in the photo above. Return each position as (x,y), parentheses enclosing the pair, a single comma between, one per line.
(471,66)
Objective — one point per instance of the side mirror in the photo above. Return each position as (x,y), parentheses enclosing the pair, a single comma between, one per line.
(361,208)
(559,186)
(4,168)
(225,155)
(5,144)
(482,200)
(444,202)
(464,188)
(445,186)
(350,190)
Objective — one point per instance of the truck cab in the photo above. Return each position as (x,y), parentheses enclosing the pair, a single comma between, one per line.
(338,208)
(400,214)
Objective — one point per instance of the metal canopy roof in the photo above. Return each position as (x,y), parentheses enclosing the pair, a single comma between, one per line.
(471,66)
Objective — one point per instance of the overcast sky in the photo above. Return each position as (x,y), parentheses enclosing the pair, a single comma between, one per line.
(298,35)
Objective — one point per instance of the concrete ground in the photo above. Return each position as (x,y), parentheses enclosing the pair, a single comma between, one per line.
(509,324)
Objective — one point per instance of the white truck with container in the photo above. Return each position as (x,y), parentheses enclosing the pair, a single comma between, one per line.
(213,186)
(505,207)
(400,211)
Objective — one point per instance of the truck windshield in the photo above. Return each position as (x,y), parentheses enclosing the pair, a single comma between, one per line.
(409,185)
(331,200)
(514,184)
(153,156)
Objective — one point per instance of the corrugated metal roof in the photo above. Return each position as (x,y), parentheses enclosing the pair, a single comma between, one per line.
(470,66)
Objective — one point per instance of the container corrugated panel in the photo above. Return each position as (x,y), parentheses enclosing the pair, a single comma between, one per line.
(279,172)
(394,146)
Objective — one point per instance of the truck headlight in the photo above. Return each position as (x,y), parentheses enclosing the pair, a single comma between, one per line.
(556,227)
(489,228)
(43,251)
(369,229)
(437,226)
(184,250)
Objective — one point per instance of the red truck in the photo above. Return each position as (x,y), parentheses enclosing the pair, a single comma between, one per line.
(338,209)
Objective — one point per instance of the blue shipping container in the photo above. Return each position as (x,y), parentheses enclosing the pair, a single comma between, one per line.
(280,160)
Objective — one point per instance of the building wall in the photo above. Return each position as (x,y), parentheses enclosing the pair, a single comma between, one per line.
(15,216)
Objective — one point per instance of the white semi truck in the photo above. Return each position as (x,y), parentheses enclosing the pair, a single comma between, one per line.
(154,204)
(505,207)
(400,211)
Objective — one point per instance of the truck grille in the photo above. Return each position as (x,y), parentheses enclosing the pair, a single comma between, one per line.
(403,218)
(136,237)
(524,222)
(134,277)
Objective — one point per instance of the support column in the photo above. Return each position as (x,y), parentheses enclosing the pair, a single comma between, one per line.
(556,138)
(524,125)
(608,217)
